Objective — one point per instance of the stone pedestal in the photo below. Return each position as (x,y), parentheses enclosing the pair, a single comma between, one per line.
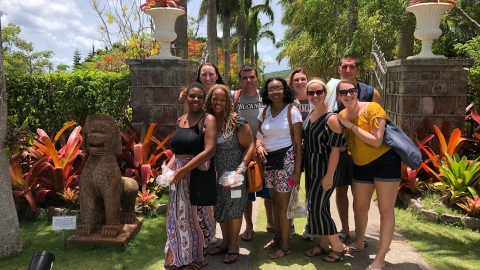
(128,233)
(433,88)
(156,85)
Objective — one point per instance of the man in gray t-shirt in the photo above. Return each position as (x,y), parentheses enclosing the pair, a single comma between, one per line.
(248,104)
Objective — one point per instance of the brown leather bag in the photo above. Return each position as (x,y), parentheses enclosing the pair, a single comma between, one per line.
(255,174)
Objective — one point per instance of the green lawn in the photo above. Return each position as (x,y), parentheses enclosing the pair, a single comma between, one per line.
(443,246)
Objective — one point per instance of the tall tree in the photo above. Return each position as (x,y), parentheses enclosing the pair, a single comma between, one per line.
(212,45)
(241,32)
(10,232)
(256,30)
(77,57)
(20,56)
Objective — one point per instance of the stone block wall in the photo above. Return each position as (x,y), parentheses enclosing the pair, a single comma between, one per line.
(156,85)
(433,88)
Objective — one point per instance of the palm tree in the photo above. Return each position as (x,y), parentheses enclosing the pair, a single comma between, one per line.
(256,31)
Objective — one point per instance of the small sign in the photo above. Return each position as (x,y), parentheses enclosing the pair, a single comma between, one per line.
(64,223)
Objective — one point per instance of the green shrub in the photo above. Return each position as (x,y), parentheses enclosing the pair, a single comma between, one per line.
(51,100)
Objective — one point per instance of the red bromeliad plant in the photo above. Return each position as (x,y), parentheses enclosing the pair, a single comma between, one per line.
(139,160)
(51,171)
(160,3)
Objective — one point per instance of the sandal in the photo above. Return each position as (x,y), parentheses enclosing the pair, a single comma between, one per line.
(273,243)
(272,230)
(311,252)
(220,251)
(247,236)
(343,236)
(331,259)
(172,267)
(231,254)
(285,253)
(196,265)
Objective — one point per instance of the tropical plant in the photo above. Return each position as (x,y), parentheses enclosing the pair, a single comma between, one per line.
(70,196)
(160,3)
(139,160)
(49,172)
(458,178)
(146,199)
(471,206)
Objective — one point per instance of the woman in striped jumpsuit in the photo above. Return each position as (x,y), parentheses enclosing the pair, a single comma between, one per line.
(323,139)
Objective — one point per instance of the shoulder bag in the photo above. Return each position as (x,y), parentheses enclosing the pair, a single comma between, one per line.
(403,146)
(203,184)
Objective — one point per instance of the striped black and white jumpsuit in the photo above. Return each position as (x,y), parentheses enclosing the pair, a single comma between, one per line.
(318,140)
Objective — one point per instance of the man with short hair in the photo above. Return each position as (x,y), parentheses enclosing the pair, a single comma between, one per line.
(248,104)
(348,70)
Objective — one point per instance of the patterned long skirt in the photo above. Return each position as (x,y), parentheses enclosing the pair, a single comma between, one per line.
(189,227)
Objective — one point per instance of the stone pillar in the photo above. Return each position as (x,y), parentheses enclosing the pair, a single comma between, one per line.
(433,88)
(156,85)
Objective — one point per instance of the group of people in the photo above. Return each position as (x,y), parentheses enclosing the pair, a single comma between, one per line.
(334,134)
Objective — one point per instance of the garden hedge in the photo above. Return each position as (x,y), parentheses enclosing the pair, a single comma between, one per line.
(51,100)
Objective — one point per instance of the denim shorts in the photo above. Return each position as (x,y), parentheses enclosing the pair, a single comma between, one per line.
(386,168)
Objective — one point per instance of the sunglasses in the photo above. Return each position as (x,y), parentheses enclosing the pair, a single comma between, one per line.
(345,92)
(318,92)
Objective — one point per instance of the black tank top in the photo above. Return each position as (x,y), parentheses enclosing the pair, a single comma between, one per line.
(188,141)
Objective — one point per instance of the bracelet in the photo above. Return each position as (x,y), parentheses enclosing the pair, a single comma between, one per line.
(242,167)
(258,145)
(352,127)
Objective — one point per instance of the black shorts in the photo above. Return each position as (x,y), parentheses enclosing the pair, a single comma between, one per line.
(345,169)
(386,168)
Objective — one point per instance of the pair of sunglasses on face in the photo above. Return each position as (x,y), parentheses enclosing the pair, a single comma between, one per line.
(318,92)
(352,91)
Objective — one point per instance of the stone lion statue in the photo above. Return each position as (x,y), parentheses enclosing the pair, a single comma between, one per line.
(107,200)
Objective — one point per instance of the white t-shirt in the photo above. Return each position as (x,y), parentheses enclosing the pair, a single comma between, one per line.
(276,131)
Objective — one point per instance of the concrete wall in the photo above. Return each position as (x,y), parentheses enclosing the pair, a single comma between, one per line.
(433,88)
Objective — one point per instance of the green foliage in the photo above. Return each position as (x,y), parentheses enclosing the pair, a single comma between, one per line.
(77,57)
(20,56)
(51,100)
(472,49)
(458,178)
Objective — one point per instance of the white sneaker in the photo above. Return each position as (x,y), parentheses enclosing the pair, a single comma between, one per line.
(214,240)
(306,234)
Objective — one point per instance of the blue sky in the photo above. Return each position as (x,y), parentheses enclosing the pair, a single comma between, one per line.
(65,25)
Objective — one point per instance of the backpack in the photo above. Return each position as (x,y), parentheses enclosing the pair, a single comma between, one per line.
(236,97)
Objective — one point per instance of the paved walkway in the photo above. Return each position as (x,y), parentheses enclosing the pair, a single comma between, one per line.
(401,255)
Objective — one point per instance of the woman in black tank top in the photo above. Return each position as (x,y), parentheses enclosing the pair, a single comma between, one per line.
(190,227)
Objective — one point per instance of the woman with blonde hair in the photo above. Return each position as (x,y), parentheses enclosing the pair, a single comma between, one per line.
(323,138)
(376,167)
(234,152)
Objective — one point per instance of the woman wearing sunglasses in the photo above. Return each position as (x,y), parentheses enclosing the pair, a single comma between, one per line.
(376,167)
(323,138)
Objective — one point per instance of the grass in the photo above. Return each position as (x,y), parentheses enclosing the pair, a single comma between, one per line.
(433,201)
(145,251)
(443,246)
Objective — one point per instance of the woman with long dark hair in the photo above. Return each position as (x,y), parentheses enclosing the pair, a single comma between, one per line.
(277,141)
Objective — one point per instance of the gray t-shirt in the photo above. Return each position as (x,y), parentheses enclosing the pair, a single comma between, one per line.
(249,108)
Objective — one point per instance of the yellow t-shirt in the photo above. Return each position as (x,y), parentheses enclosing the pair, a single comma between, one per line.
(361,152)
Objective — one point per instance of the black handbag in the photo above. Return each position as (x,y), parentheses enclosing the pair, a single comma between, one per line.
(203,184)
(275,159)
(403,146)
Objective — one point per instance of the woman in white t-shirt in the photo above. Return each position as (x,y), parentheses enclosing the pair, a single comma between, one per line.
(282,153)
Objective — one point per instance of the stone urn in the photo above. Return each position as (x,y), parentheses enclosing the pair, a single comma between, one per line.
(164,19)
(428,17)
